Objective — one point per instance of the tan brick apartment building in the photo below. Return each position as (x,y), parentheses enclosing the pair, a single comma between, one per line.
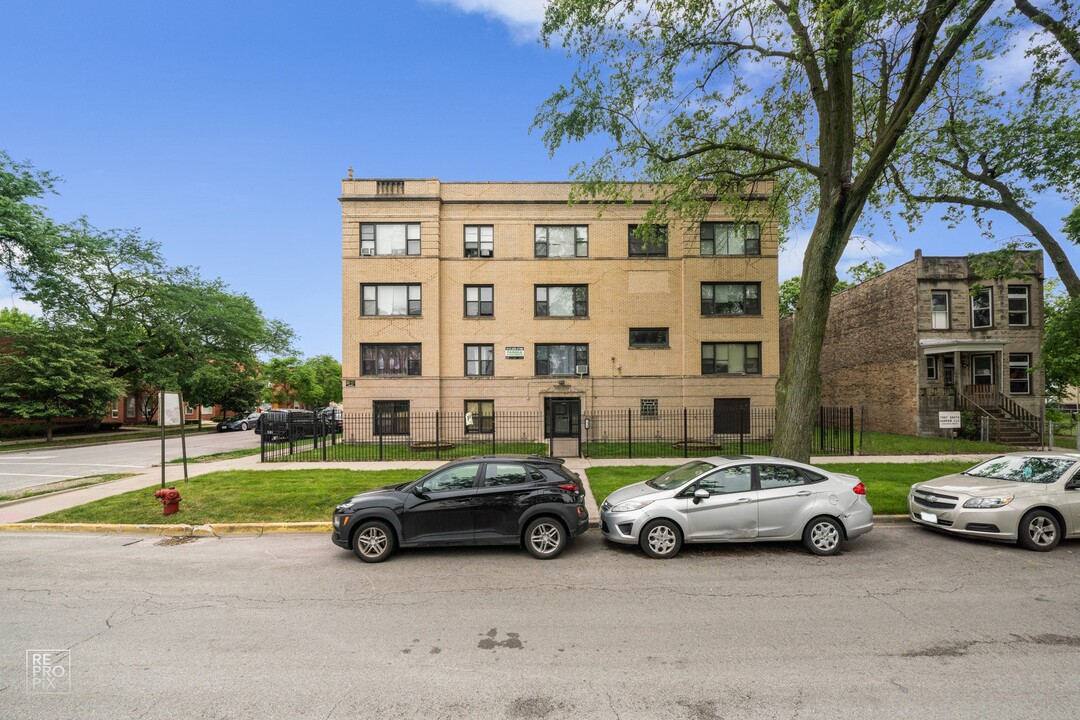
(500,296)
(930,335)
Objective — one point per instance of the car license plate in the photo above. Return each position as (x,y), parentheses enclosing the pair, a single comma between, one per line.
(928,517)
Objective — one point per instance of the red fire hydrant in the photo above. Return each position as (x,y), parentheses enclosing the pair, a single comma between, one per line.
(170,500)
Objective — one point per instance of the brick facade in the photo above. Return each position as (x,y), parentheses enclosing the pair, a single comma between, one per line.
(623,292)
(881,341)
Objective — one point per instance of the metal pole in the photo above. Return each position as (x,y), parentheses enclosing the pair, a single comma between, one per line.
(851,430)
(183,432)
(685,432)
(438,436)
(161,422)
(629,434)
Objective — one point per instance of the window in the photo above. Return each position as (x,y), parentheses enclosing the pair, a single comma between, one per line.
(982,309)
(459,477)
(479,300)
(390,239)
(651,243)
(501,474)
(982,370)
(650,407)
(939,309)
(730,358)
(479,241)
(729,480)
(382,359)
(772,477)
(390,300)
(129,409)
(114,409)
(562,359)
(480,416)
(1018,305)
(730,298)
(648,337)
(562,241)
(479,360)
(931,367)
(730,239)
(391,417)
(1019,374)
(948,370)
(562,301)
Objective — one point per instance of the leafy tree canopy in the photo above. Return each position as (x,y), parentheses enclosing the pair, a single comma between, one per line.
(311,383)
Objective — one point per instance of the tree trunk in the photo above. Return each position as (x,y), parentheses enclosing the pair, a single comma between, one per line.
(1054,250)
(48,430)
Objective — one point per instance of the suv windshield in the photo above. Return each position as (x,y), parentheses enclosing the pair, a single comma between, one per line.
(680,475)
(1042,470)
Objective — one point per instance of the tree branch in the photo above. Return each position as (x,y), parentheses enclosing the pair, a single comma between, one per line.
(1064,34)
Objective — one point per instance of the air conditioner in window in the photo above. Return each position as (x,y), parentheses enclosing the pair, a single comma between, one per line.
(367,251)
(485,253)
(581,370)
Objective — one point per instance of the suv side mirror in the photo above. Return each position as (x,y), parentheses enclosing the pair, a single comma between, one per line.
(700,494)
(418,491)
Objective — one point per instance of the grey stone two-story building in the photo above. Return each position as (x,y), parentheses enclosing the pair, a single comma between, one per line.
(930,335)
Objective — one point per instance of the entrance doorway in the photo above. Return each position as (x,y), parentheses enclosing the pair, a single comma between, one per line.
(562,425)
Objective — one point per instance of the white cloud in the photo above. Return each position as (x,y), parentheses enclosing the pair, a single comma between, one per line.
(523,17)
(860,248)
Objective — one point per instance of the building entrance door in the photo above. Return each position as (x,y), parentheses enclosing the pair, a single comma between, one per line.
(562,425)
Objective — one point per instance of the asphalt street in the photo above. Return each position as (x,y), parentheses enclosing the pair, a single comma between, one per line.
(22,469)
(904,624)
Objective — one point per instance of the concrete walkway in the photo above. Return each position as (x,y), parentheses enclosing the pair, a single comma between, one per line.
(25,509)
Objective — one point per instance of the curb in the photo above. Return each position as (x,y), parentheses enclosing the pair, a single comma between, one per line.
(215,530)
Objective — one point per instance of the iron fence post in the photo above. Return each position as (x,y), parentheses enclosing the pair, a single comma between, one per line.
(851,430)
(629,434)
(685,432)
(262,442)
(289,431)
(322,428)
(380,443)
(437,436)
(494,429)
(821,429)
(742,434)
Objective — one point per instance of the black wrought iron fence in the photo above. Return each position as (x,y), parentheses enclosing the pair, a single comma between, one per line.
(605,434)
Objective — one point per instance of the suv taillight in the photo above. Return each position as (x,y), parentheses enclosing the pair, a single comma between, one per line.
(859,489)
(570,487)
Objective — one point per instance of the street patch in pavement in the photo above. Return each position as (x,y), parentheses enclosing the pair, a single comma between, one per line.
(960,648)
(175,540)
(534,706)
(513,641)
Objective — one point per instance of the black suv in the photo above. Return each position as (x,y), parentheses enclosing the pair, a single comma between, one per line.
(492,500)
(286,425)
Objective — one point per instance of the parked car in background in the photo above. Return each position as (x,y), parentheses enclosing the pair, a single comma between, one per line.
(331,419)
(738,499)
(491,500)
(1032,499)
(239,422)
(285,425)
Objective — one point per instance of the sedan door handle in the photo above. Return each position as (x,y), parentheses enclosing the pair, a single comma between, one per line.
(744,500)
(803,493)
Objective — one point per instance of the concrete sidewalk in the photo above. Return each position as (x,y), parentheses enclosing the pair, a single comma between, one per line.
(19,510)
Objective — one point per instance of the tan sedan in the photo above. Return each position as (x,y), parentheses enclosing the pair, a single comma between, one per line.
(1029,498)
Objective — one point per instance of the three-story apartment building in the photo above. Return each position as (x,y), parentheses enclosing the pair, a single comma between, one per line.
(503,296)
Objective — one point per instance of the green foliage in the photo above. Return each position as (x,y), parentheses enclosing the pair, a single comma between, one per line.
(1061,342)
(51,371)
(312,383)
(24,228)
(236,388)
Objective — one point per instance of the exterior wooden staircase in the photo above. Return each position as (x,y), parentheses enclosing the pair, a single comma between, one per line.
(1009,423)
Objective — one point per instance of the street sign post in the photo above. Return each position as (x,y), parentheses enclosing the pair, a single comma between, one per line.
(950,421)
(171,414)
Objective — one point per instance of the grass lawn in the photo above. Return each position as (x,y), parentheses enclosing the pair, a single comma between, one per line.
(877,443)
(239,496)
(357,452)
(887,484)
(212,457)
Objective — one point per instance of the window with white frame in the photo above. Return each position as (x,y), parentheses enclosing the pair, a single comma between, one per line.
(982,309)
(114,409)
(129,410)
(390,300)
(730,298)
(939,309)
(1019,374)
(480,241)
(562,301)
(562,241)
(390,239)
(730,358)
(479,300)
(1019,296)
(479,360)
(727,238)
(931,367)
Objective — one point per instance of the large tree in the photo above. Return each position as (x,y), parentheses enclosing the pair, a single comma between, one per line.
(50,371)
(703,98)
(155,325)
(315,382)
(25,229)
(982,151)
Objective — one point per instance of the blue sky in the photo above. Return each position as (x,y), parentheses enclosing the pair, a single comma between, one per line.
(222,130)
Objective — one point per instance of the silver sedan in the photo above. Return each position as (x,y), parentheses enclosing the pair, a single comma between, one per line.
(738,499)
(1029,498)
